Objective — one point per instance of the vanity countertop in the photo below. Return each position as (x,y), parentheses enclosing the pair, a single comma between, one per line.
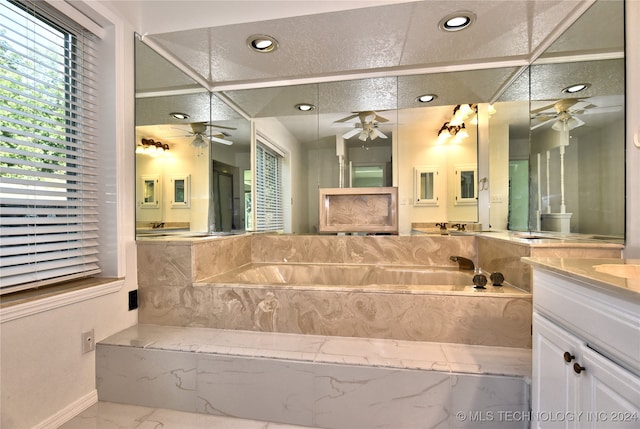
(617,276)
(542,239)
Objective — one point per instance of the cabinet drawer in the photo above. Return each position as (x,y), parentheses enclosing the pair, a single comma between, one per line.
(608,324)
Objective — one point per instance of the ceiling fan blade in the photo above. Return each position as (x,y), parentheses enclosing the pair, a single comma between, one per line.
(221,127)
(379,118)
(346,119)
(376,132)
(575,122)
(221,141)
(542,109)
(177,137)
(543,123)
(543,118)
(603,109)
(351,133)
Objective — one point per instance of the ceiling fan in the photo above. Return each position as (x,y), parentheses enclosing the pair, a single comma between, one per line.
(366,128)
(201,138)
(565,113)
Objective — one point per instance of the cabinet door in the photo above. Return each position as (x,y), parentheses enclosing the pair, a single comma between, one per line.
(554,382)
(609,394)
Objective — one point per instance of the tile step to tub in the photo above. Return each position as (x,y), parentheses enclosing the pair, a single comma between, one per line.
(312,380)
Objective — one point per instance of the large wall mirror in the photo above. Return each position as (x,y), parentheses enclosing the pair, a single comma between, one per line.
(193,147)
(508,168)
(557,157)
(577,162)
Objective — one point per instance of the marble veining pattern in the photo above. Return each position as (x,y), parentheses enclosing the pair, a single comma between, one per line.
(310,380)
(386,250)
(484,320)
(110,415)
(173,290)
(462,358)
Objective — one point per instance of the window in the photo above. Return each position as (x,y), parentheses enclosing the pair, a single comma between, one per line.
(48,162)
(466,190)
(425,190)
(269,209)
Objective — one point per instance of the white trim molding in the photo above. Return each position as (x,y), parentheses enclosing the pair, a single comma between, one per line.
(40,305)
(69,412)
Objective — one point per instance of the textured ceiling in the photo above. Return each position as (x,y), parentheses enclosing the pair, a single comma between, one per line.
(383,57)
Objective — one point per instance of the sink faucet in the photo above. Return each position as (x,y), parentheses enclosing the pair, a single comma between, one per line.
(459,226)
(156,225)
(443,227)
(463,263)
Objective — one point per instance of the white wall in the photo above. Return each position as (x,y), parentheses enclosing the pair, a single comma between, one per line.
(182,160)
(323,171)
(45,377)
(499,173)
(420,148)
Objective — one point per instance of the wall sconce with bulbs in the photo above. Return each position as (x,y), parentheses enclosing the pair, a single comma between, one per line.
(456,126)
(152,147)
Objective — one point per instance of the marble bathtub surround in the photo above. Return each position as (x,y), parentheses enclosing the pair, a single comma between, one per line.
(182,285)
(474,318)
(503,252)
(358,210)
(384,250)
(328,382)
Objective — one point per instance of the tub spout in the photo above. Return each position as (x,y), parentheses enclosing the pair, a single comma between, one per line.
(463,263)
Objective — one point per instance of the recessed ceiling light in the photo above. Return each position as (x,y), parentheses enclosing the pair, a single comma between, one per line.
(262,43)
(426,98)
(457,21)
(305,107)
(575,88)
(179,115)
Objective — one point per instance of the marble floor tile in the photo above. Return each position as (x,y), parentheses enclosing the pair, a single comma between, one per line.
(108,415)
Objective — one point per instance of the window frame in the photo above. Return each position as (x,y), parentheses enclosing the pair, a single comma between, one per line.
(76,97)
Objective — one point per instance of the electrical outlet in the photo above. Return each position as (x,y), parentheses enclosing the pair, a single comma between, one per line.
(133,299)
(88,341)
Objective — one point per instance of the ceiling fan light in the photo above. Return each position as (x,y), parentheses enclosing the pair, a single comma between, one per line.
(363,135)
(198,141)
(560,125)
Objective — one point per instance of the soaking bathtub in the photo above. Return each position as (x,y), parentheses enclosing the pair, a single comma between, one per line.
(362,278)
(399,302)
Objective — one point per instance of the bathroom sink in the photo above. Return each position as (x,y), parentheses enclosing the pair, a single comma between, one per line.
(626,271)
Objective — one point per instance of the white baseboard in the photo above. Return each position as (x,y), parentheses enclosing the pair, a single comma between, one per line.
(69,412)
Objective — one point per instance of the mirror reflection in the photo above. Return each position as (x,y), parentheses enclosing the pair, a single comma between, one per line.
(529,157)
(193,146)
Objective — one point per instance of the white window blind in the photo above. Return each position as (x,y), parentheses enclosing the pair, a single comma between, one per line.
(269,210)
(48,165)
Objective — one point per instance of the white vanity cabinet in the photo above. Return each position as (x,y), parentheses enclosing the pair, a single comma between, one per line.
(586,355)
